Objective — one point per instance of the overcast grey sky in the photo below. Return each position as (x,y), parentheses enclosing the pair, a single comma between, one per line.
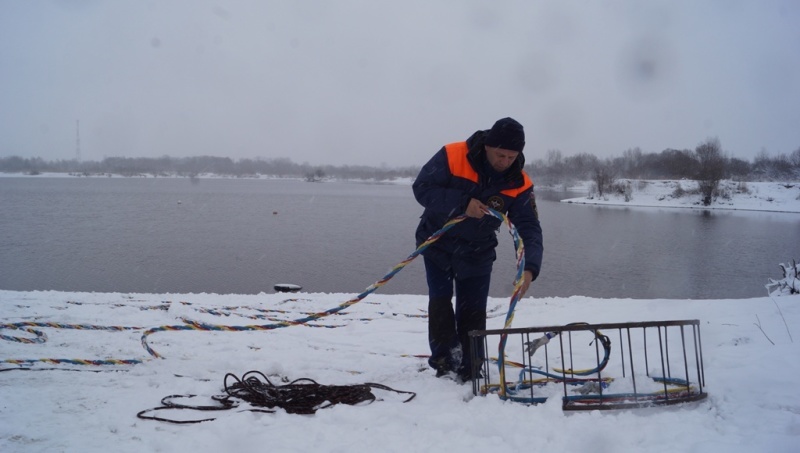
(389,82)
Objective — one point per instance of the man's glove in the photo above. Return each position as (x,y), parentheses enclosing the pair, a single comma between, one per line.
(532,346)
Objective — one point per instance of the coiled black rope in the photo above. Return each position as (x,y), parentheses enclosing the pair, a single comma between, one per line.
(301,396)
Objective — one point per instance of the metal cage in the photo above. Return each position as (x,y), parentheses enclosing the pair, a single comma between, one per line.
(654,363)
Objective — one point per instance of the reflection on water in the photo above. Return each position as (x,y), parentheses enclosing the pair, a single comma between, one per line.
(243,236)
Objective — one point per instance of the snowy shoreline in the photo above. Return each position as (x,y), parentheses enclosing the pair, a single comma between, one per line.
(747,347)
(781,197)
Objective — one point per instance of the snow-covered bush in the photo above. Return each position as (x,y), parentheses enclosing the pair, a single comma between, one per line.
(622,188)
(679,191)
(723,191)
(790,284)
(741,187)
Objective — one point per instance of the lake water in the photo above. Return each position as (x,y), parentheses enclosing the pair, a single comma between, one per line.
(161,235)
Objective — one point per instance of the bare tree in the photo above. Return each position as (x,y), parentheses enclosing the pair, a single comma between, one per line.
(603,178)
(315,176)
(794,158)
(632,162)
(711,168)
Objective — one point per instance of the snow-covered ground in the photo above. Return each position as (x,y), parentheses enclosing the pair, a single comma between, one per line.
(750,196)
(752,403)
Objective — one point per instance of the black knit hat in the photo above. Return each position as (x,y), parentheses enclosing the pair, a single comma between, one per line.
(506,133)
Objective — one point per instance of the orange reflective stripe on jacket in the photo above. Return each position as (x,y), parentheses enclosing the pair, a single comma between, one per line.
(460,167)
(458,162)
(527,184)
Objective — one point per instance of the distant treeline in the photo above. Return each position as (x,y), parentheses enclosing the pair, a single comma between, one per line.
(552,169)
(668,164)
(200,165)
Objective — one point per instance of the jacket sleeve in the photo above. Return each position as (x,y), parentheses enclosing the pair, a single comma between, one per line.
(525,217)
(433,190)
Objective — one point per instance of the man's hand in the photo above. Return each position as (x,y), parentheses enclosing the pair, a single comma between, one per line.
(476,209)
(527,278)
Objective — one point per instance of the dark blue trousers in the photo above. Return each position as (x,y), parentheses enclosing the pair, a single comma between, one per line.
(448,329)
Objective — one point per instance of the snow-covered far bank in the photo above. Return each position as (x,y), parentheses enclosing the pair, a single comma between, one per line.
(748,348)
(163,175)
(750,196)
(172,175)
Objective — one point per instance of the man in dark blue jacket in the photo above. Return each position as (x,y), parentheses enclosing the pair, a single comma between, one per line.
(465,178)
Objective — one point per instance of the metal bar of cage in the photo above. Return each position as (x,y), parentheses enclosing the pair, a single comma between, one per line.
(680,358)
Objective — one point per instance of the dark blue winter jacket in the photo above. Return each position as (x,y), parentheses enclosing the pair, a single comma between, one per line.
(444,187)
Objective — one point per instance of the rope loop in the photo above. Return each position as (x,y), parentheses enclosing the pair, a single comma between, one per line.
(39,336)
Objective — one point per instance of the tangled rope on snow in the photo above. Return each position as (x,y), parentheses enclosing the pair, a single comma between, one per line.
(301,396)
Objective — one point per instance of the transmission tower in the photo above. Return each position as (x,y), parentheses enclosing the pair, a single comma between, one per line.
(78,140)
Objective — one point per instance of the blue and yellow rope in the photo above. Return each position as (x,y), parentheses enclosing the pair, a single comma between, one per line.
(516,295)
(311,317)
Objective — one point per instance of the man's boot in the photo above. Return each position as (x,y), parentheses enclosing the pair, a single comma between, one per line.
(442,336)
